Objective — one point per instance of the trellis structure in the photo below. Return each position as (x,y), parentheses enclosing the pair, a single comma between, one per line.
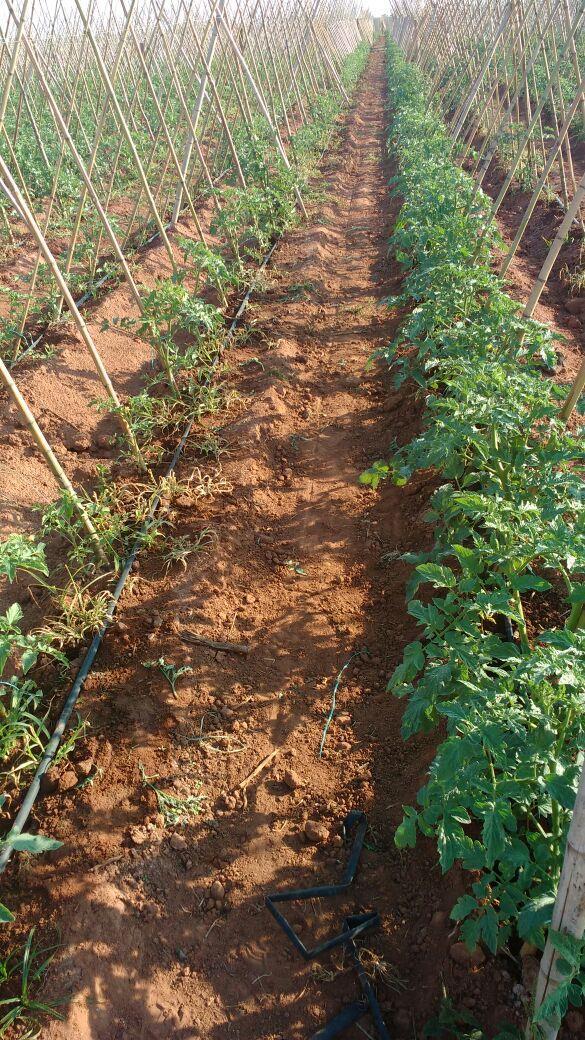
(508,79)
(190,124)
(118,119)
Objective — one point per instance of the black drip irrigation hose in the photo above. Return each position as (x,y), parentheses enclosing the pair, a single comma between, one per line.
(55,739)
(353,926)
(85,668)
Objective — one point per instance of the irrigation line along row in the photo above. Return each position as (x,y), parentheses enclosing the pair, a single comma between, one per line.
(20,203)
(242,75)
(91,653)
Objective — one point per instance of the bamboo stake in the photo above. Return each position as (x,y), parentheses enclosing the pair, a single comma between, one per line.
(222,115)
(308,35)
(304,50)
(219,4)
(208,126)
(574,55)
(574,395)
(554,151)
(296,74)
(54,191)
(304,69)
(569,912)
(12,63)
(500,115)
(262,105)
(496,129)
(275,75)
(514,166)
(159,68)
(555,248)
(85,177)
(167,136)
(49,456)
(556,127)
(20,23)
(189,120)
(571,31)
(466,62)
(330,65)
(10,188)
(502,26)
(99,130)
(128,136)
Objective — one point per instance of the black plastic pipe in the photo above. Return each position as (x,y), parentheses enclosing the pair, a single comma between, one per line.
(85,668)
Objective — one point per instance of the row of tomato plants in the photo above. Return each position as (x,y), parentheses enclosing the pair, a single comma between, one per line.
(506,693)
(187,333)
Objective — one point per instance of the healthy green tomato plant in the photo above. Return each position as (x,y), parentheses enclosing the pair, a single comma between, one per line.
(22,552)
(509,530)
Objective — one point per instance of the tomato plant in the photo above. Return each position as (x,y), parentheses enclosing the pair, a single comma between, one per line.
(506,690)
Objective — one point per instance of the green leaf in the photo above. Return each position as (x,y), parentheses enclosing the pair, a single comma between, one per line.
(450,841)
(535,915)
(14,614)
(5,649)
(470,931)
(28,660)
(494,835)
(417,713)
(529,582)
(517,853)
(5,914)
(464,554)
(399,676)
(563,788)
(554,1007)
(414,655)
(405,834)
(464,906)
(570,949)
(504,651)
(440,576)
(377,472)
(414,660)
(474,858)
(34,843)
(418,610)
(489,929)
